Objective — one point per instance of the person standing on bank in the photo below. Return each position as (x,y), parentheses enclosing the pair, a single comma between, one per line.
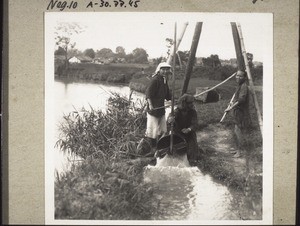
(240,107)
(157,92)
(185,123)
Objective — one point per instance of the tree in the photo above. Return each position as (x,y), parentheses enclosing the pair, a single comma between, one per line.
(105,52)
(212,61)
(120,51)
(90,53)
(60,51)
(129,58)
(169,45)
(73,52)
(63,34)
(250,59)
(140,55)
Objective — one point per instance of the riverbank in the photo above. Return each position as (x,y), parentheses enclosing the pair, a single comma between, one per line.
(112,167)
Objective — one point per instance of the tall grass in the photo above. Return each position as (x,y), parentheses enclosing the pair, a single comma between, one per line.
(107,184)
(97,133)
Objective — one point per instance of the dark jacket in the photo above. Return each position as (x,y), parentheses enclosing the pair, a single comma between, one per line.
(158,92)
(241,111)
(187,119)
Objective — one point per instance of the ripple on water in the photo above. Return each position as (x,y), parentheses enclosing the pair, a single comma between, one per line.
(185,193)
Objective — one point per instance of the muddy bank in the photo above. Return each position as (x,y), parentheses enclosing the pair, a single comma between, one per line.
(242,174)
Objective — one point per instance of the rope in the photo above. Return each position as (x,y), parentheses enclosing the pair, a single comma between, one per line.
(215,85)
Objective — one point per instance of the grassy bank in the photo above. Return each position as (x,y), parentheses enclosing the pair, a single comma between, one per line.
(113,73)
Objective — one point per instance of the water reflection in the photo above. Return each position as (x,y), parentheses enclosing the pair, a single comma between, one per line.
(185,193)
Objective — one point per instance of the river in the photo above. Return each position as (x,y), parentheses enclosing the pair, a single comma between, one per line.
(185,193)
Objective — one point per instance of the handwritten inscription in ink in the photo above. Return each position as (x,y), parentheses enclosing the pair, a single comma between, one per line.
(63,5)
(113,3)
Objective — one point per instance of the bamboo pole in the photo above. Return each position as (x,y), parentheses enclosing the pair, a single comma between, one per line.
(177,43)
(173,89)
(225,113)
(191,59)
(237,45)
(252,91)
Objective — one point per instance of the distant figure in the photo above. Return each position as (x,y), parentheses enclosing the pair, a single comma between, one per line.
(185,123)
(240,107)
(156,94)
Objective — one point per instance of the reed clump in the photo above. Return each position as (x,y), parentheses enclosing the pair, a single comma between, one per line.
(107,184)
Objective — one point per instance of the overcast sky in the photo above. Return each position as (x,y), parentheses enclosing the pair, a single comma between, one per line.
(149,31)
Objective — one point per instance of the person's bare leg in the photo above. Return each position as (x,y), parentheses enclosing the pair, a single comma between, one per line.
(239,138)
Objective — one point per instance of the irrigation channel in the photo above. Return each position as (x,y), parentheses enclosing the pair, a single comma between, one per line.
(184,192)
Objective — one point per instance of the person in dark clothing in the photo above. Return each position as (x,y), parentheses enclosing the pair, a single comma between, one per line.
(185,123)
(240,107)
(156,94)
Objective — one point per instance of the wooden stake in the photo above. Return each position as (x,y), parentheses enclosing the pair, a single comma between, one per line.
(192,57)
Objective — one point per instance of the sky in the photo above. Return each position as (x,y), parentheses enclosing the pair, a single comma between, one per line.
(149,30)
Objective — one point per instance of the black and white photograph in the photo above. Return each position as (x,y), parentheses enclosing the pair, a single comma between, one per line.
(158,118)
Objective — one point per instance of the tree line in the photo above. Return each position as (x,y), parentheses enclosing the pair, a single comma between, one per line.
(138,55)
(66,46)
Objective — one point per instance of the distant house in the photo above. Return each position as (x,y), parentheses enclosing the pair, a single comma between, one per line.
(80,59)
(233,62)
(199,61)
(104,60)
(98,61)
(120,60)
(225,62)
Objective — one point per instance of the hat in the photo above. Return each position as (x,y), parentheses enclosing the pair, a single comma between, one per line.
(240,73)
(161,65)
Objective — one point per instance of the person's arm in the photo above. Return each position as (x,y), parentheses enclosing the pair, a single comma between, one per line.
(150,92)
(243,94)
(150,104)
(242,97)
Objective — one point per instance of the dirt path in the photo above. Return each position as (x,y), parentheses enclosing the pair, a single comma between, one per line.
(218,141)
(243,174)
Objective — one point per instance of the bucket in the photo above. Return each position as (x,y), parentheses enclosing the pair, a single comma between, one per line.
(163,146)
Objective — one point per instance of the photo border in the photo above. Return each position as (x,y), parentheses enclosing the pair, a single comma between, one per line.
(24,96)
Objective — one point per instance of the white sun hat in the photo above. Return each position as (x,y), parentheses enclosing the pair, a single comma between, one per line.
(163,64)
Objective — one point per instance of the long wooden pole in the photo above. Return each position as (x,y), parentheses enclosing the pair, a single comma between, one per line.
(237,45)
(252,91)
(173,89)
(177,43)
(192,57)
